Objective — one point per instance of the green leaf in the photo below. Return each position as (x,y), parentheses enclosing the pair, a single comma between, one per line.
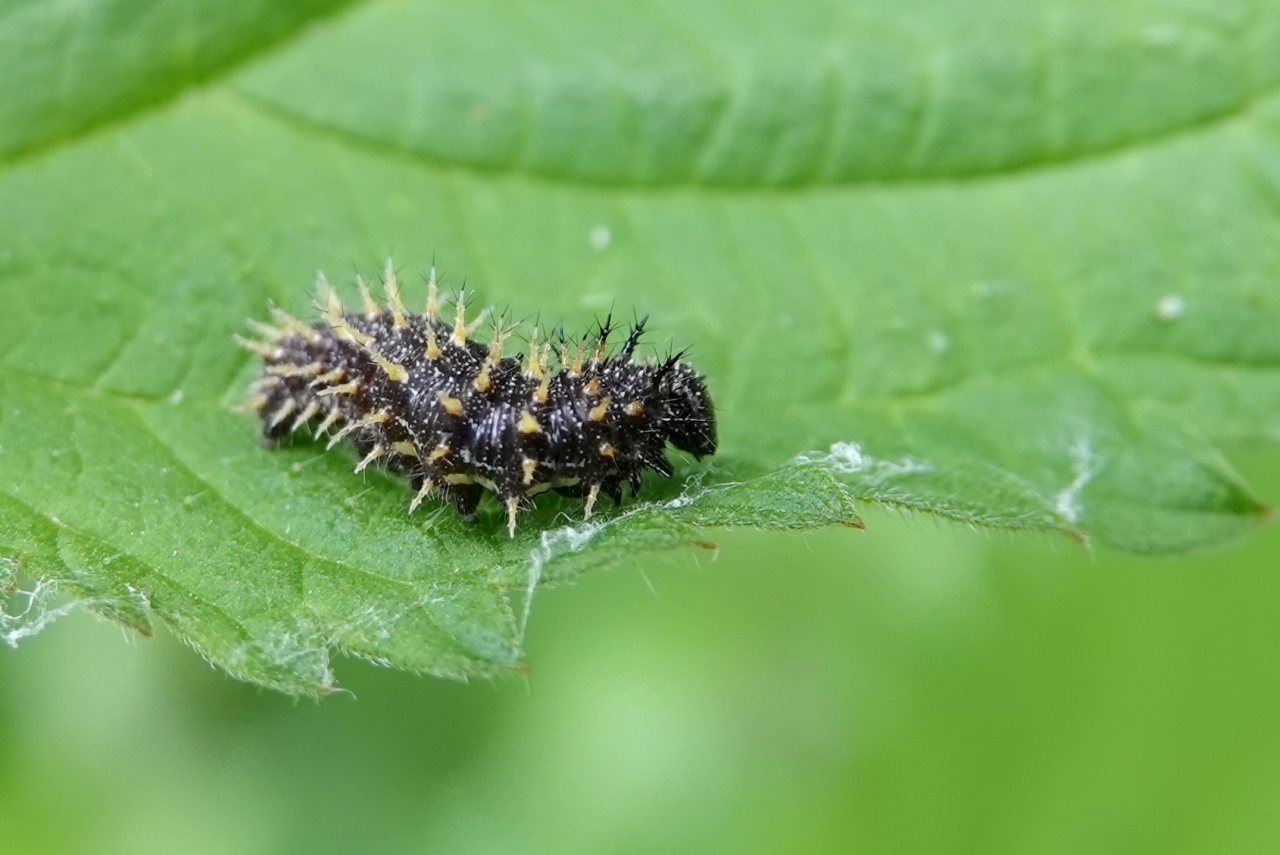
(71,67)
(1014,266)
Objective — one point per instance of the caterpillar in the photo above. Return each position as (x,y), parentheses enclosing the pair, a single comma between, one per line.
(425,398)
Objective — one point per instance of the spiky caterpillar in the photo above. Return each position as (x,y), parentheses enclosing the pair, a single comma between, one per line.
(428,400)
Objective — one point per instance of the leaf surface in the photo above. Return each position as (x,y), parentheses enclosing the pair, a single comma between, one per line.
(1014,267)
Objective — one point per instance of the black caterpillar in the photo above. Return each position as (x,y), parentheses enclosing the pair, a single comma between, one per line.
(428,400)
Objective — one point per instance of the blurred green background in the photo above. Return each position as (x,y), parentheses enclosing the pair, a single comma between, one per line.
(915,688)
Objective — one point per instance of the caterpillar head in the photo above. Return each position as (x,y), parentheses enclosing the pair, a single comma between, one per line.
(690,417)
